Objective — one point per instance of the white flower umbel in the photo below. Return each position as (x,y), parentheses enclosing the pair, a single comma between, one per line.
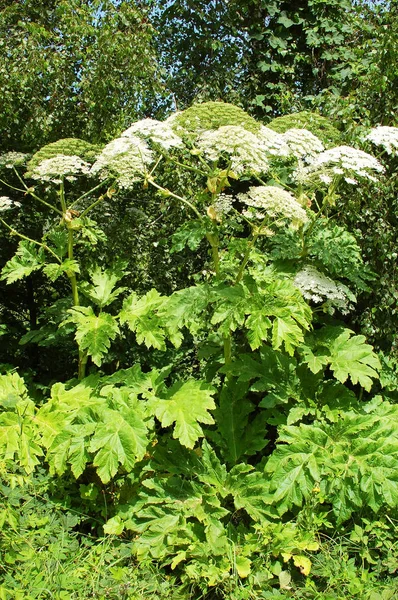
(222,205)
(6,203)
(343,160)
(12,159)
(59,167)
(275,202)
(159,132)
(319,288)
(246,151)
(274,142)
(302,143)
(387,137)
(126,158)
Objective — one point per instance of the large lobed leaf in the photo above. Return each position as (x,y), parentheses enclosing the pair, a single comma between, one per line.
(347,355)
(350,464)
(93,333)
(28,258)
(186,405)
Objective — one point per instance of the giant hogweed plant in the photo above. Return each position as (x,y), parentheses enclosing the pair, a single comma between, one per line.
(273,420)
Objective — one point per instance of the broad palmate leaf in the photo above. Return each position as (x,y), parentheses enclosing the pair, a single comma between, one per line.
(19,434)
(347,355)
(186,405)
(350,464)
(118,440)
(140,316)
(106,428)
(102,291)
(237,434)
(93,333)
(28,258)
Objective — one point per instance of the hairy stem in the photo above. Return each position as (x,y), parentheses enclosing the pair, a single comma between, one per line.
(25,237)
(94,189)
(169,193)
(29,191)
(72,278)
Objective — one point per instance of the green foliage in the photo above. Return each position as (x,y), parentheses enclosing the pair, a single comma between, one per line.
(28,258)
(349,464)
(94,333)
(186,404)
(347,356)
(216,404)
(318,125)
(102,290)
(58,65)
(19,439)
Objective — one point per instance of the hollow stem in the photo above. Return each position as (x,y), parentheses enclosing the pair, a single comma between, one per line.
(176,196)
(94,189)
(87,210)
(29,191)
(25,237)
(73,281)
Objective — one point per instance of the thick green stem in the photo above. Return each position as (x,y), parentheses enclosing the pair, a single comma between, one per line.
(227,349)
(169,193)
(214,251)
(72,279)
(94,189)
(216,261)
(31,193)
(246,257)
(25,237)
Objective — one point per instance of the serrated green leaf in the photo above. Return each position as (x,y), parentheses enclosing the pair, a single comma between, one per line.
(93,333)
(12,390)
(285,331)
(114,526)
(55,270)
(315,362)
(28,258)
(231,309)
(239,436)
(352,357)
(140,316)
(184,309)
(190,234)
(258,325)
(250,491)
(118,440)
(243,566)
(102,290)
(350,462)
(272,372)
(186,405)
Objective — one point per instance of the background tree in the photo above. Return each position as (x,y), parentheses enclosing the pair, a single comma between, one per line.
(269,56)
(73,68)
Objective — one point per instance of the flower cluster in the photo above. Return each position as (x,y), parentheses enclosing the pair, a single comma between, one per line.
(273,201)
(220,207)
(157,131)
(126,158)
(59,167)
(387,137)
(6,203)
(342,160)
(302,143)
(12,159)
(319,288)
(275,143)
(246,150)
